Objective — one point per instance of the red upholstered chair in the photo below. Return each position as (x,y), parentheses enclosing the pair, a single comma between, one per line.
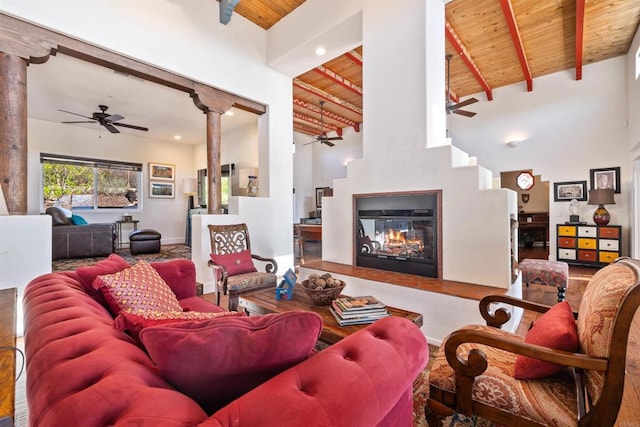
(232,263)
(473,373)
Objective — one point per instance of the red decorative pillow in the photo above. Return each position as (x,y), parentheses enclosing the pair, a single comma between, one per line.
(135,323)
(238,263)
(216,361)
(554,329)
(138,289)
(86,275)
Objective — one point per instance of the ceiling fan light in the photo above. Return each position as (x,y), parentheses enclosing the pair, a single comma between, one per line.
(514,143)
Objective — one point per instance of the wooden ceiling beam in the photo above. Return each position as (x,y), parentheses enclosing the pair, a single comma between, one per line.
(316,122)
(579,37)
(509,16)
(327,96)
(300,127)
(337,78)
(355,57)
(464,54)
(327,114)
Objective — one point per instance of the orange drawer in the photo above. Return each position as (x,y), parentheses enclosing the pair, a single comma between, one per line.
(609,232)
(587,243)
(587,256)
(608,256)
(566,230)
(566,242)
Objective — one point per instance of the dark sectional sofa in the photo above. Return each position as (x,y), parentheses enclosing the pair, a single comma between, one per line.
(79,241)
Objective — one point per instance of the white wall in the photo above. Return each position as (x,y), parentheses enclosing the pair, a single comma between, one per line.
(168,216)
(185,36)
(633,104)
(318,165)
(568,127)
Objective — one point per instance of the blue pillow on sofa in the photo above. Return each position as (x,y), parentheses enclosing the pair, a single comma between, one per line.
(78,220)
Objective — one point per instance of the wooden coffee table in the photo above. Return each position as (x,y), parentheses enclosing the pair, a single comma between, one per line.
(264,302)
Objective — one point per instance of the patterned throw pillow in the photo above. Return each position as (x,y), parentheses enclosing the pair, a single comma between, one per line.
(138,289)
(555,329)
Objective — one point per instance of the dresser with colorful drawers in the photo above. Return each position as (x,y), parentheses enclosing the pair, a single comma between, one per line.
(589,244)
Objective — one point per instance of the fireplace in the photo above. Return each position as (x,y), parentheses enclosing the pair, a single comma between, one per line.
(398,232)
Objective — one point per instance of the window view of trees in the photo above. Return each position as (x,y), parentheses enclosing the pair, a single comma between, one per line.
(73,185)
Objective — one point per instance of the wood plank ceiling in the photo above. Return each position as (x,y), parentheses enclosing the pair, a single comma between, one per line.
(494,43)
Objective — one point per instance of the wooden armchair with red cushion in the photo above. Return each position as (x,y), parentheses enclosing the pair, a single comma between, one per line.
(563,373)
(232,263)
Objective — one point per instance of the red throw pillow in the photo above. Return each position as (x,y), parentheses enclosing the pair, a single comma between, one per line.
(554,329)
(135,323)
(86,275)
(216,361)
(138,289)
(238,263)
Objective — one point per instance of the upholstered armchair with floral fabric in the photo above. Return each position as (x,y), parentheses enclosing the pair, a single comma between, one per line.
(565,372)
(232,263)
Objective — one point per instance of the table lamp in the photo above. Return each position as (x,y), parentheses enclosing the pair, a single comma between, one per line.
(601,197)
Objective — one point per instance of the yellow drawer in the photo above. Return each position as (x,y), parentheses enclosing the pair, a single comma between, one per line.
(608,256)
(587,243)
(567,230)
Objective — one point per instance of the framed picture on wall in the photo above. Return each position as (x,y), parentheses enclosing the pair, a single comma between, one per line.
(605,178)
(567,191)
(160,171)
(161,190)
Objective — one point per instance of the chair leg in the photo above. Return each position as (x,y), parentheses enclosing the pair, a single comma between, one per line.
(233,300)
(218,298)
(435,412)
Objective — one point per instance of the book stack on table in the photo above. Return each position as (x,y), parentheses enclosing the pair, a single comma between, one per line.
(357,310)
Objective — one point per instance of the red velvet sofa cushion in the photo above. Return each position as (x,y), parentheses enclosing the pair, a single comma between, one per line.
(555,329)
(215,361)
(86,275)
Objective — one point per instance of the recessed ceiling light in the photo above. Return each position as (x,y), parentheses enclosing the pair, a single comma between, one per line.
(320,51)
(177,137)
(229,113)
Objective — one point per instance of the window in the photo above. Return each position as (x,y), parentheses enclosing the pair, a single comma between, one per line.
(637,65)
(90,184)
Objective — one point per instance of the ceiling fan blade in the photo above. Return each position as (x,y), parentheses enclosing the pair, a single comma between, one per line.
(114,117)
(334,138)
(110,128)
(87,121)
(330,144)
(76,114)
(464,113)
(465,103)
(124,125)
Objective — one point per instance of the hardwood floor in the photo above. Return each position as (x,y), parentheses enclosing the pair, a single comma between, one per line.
(629,415)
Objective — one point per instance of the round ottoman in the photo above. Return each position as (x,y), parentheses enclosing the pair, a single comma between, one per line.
(145,241)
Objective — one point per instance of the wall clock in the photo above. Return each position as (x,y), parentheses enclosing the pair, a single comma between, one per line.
(525,180)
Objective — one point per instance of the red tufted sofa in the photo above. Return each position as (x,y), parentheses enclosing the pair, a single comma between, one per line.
(81,371)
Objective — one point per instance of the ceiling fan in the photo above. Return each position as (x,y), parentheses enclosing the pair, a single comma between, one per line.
(105,119)
(323,138)
(451,106)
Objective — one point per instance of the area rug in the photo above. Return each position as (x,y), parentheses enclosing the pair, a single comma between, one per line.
(166,253)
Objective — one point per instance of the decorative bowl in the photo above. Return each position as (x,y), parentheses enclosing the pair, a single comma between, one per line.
(323,296)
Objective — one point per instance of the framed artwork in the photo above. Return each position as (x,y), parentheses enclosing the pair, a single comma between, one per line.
(161,190)
(319,195)
(160,171)
(605,178)
(567,191)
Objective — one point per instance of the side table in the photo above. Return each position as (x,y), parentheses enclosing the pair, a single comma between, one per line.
(8,301)
(119,224)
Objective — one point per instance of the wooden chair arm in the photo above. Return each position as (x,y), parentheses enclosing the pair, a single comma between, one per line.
(219,273)
(500,316)
(271,266)
(474,367)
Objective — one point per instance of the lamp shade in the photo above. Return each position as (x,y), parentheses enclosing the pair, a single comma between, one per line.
(603,196)
(190,186)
